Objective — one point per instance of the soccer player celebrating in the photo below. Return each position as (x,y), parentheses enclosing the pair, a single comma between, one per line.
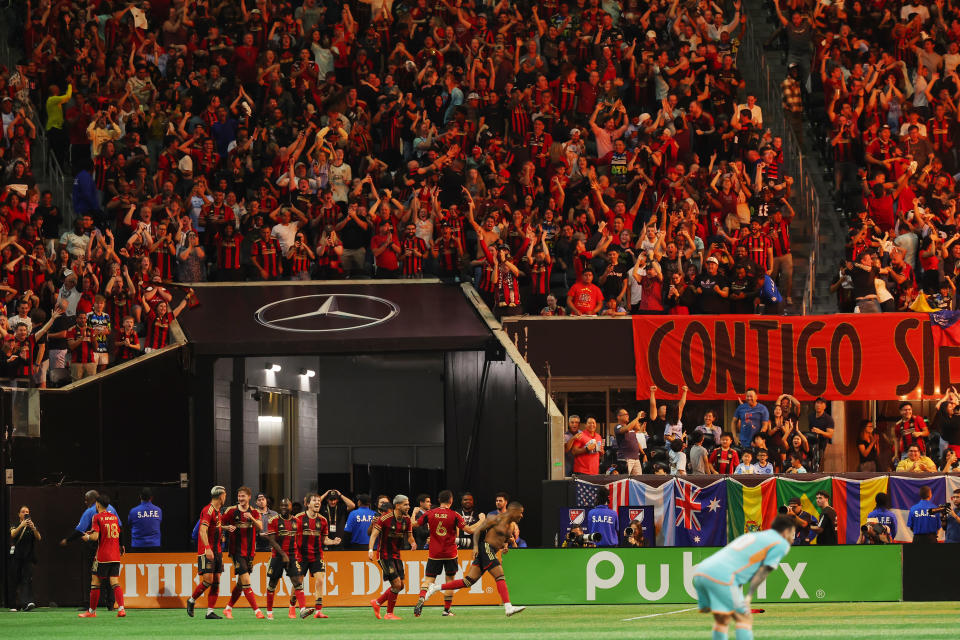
(209,556)
(285,559)
(242,523)
(496,532)
(443,523)
(748,559)
(391,528)
(105,529)
(312,533)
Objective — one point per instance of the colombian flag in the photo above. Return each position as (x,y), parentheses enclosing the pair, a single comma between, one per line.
(853,500)
(750,508)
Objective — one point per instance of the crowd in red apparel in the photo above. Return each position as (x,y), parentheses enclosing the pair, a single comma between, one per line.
(580,158)
(887,74)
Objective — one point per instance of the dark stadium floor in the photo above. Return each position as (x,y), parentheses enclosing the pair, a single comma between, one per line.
(787,621)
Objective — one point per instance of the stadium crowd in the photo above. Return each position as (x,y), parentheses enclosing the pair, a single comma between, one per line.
(878,82)
(760,439)
(569,158)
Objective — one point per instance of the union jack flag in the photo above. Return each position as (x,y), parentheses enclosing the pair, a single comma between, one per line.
(687,506)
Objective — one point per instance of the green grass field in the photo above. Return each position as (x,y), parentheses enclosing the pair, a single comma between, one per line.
(788,621)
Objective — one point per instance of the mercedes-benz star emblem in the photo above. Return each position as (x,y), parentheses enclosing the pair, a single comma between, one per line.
(324,312)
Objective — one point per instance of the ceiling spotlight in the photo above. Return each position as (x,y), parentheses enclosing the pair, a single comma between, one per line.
(308,372)
(272,367)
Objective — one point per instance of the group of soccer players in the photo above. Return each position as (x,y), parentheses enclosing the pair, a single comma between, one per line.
(297,551)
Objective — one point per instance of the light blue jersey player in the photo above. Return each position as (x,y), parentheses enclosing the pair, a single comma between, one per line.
(720,578)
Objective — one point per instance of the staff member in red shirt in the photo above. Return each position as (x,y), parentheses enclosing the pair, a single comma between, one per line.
(386,252)
(584,297)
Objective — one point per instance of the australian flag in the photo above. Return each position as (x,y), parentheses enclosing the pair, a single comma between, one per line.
(698,515)
(945,326)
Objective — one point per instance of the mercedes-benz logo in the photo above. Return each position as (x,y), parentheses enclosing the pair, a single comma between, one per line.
(325,312)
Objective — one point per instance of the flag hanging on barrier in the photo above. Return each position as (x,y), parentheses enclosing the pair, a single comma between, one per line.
(750,508)
(697,515)
(853,500)
(905,492)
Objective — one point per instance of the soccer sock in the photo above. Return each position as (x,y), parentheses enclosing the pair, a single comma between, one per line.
(447,603)
(423,592)
(453,585)
(270,595)
(720,631)
(744,632)
(118,595)
(198,591)
(301,599)
(234,595)
(502,590)
(252,599)
(212,596)
(319,603)
(383,596)
(391,600)
(94,598)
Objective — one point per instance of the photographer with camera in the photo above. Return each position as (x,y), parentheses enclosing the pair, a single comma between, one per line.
(950,518)
(633,535)
(883,515)
(924,518)
(874,533)
(23,555)
(603,521)
(577,539)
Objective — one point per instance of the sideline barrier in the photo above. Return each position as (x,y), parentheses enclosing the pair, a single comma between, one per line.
(166,580)
(665,576)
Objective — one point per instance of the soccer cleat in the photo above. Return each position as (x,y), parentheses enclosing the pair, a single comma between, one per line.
(306,612)
(432,589)
(418,608)
(228,613)
(121,613)
(511,610)
(87,614)
(391,616)
(376,608)
(292,612)
(259,614)
(190,606)
(212,615)
(30,607)
(448,612)
(320,614)
(269,615)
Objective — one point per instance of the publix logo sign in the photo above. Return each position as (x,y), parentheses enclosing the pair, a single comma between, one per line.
(606,570)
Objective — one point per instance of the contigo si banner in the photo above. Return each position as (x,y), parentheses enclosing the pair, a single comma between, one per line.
(632,576)
(864,357)
(165,580)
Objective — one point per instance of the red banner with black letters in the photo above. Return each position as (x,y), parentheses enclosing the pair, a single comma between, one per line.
(846,356)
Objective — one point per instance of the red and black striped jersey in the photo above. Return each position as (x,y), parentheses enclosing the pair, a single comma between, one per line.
(393,532)
(211,517)
(779,233)
(158,329)
(310,535)
(123,351)
(285,530)
(267,253)
(83,353)
(412,263)
(300,261)
(757,248)
(540,278)
(242,541)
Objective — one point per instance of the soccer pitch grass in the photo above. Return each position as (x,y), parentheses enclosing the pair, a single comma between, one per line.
(847,621)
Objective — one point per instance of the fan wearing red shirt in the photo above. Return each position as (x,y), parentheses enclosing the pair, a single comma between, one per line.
(725,459)
(312,533)
(242,523)
(444,523)
(127,341)
(158,324)
(584,297)
(265,255)
(386,252)
(284,530)
(105,529)
(587,448)
(209,555)
(391,528)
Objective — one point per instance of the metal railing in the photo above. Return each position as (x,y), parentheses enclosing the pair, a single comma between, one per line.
(753,62)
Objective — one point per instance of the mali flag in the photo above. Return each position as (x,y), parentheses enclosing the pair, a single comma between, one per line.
(806,491)
(750,508)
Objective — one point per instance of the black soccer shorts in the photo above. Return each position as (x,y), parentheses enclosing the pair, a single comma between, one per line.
(392,569)
(486,557)
(106,569)
(278,567)
(435,567)
(214,566)
(242,565)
